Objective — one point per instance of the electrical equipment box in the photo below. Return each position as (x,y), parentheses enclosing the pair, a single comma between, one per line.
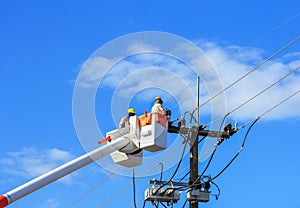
(198,195)
(162,194)
(131,155)
(153,135)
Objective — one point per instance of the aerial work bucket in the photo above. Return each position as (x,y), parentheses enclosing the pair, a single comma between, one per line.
(154,128)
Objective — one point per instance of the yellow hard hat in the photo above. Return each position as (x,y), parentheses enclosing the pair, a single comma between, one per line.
(157,98)
(131,110)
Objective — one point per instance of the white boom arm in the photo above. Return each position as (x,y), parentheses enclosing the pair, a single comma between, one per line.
(61,171)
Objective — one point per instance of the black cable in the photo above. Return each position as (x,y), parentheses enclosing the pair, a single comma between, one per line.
(184,176)
(201,140)
(184,203)
(161,170)
(144,204)
(133,185)
(163,204)
(178,165)
(189,171)
(212,155)
(218,188)
(236,155)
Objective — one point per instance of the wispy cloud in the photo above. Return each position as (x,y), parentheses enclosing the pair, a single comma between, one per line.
(32,162)
(53,203)
(229,60)
(233,64)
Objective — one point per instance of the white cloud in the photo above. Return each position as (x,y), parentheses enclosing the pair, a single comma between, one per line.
(234,67)
(230,61)
(32,162)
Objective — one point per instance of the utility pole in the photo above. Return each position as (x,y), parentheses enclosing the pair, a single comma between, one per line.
(198,192)
(194,149)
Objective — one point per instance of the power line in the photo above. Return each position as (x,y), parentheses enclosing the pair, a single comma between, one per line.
(280,103)
(93,188)
(249,129)
(254,69)
(258,94)
(237,154)
(243,78)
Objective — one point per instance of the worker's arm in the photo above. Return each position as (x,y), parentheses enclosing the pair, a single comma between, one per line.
(122,123)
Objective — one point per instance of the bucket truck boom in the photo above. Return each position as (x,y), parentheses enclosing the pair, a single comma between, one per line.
(148,132)
(61,171)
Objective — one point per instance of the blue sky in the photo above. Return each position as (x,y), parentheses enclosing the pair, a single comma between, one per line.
(44,45)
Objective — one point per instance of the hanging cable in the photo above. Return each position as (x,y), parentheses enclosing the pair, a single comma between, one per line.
(245,137)
(184,203)
(133,186)
(258,94)
(184,176)
(178,165)
(161,170)
(144,204)
(211,157)
(163,205)
(237,154)
(218,188)
(262,114)
(201,140)
(278,104)
(254,69)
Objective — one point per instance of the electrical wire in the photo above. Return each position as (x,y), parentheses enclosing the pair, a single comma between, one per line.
(146,172)
(178,165)
(201,140)
(258,66)
(207,102)
(181,179)
(144,204)
(280,103)
(163,204)
(161,170)
(184,176)
(249,129)
(265,112)
(184,203)
(141,199)
(251,71)
(93,188)
(237,154)
(289,97)
(215,148)
(272,108)
(258,94)
(133,186)
(218,188)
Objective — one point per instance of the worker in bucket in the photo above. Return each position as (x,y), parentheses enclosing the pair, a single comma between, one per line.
(157,107)
(125,120)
